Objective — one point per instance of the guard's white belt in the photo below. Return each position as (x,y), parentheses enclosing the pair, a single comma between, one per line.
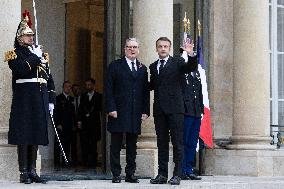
(32,80)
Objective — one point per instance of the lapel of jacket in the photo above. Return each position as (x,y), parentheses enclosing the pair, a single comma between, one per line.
(166,68)
(139,67)
(126,67)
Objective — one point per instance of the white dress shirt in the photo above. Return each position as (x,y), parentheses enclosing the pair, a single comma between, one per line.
(159,63)
(91,94)
(130,64)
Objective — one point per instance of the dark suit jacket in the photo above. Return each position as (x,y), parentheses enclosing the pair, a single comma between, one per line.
(90,114)
(167,86)
(64,113)
(193,98)
(128,95)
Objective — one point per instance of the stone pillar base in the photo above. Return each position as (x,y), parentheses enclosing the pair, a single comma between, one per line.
(146,163)
(9,168)
(244,162)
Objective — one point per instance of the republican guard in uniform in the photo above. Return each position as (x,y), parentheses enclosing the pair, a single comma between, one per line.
(33,98)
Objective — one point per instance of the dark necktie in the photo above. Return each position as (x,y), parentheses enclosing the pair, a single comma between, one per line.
(162,63)
(133,69)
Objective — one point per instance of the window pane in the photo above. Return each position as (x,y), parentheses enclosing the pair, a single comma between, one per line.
(281,76)
(270,27)
(281,113)
(270,112)
(270,75)
(280,2)
(280,29)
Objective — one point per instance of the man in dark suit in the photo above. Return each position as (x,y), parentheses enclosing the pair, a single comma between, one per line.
(166,76)
(75,131)
(127,102)
(64,121)
(194,109)
(89,123)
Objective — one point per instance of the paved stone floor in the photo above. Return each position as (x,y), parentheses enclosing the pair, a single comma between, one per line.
(208,182)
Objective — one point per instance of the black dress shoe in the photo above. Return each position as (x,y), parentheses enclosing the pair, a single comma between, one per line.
(184,176)
(116,179)
(175,180)
(160,179)
(131,179)
(193,177)
(37,179)
(24,178)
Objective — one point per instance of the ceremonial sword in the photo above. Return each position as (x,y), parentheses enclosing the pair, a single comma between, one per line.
(58,139)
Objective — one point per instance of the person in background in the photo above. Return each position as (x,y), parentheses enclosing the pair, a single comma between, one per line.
(64,115)
(75,131)
(89,122)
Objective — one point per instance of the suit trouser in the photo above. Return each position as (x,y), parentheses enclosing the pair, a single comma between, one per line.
(89,147)
(74,147)
(115,148)
(57,151)
(191,134)
(65,138)
(166,126)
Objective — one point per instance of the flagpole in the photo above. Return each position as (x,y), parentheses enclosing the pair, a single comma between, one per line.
(36,31)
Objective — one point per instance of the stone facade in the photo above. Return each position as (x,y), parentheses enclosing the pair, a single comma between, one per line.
(238,79)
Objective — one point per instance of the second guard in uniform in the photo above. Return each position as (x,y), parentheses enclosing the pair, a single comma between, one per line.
(194,109)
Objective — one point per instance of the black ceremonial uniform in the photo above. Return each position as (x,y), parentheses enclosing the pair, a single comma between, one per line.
(33,90)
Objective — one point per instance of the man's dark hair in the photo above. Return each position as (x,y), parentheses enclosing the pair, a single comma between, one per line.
(93,81)
(65,83)
(75,85)
(164,39)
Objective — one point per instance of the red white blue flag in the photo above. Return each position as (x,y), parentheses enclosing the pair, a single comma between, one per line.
(205,129)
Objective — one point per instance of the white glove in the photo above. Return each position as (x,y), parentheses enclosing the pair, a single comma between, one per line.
(185,56)
(37,51)
(43,60)
(51,108)
(31,49)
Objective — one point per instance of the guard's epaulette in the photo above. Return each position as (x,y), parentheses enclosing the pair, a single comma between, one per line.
(46,57)
(10,55)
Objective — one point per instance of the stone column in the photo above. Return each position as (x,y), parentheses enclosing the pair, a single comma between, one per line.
(148,29)
(251,76)
(11,15)
(151,19)
(250,153)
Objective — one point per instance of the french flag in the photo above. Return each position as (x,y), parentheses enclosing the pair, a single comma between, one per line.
(205,129)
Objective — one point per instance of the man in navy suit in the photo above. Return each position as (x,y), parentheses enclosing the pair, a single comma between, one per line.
(127,102)
(166,76)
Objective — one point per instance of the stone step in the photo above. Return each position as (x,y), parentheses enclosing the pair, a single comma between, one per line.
(207,182)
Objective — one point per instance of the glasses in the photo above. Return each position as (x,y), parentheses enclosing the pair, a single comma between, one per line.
(132,47)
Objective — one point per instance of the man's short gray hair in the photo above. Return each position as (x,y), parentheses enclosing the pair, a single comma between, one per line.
(131,39)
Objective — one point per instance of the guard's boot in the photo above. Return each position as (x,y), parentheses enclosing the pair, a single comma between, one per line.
(32,165)
(23,164)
